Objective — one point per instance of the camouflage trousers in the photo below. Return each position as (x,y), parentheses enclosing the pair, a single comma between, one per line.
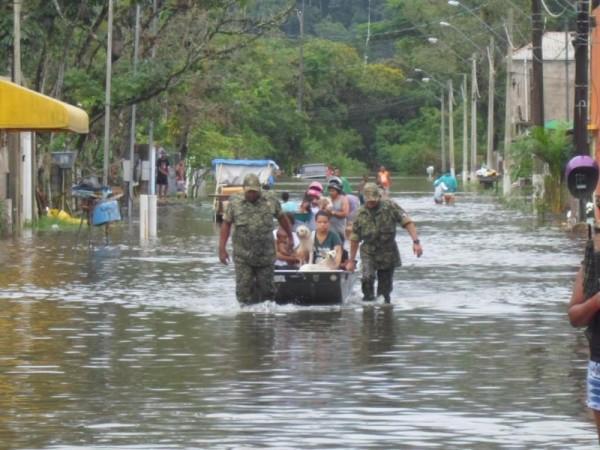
(253,284)
(384,279)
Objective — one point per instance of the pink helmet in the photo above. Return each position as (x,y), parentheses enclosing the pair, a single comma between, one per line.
(315,185)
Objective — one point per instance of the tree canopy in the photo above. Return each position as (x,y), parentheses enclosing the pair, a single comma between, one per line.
(222,78)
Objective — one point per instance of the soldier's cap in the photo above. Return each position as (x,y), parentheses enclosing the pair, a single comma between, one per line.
(251,183)
(371,192)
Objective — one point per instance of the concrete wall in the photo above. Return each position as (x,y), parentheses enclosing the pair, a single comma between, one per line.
(556,91)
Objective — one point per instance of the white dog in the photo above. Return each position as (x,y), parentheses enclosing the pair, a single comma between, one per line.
(328,263)
(306,243)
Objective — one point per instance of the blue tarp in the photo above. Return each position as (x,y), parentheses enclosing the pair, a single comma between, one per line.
(245,162)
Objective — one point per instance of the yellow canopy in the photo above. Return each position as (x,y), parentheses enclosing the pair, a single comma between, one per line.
(26,110)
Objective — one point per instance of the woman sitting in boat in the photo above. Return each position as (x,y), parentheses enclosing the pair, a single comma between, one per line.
(325,239)
(287,256)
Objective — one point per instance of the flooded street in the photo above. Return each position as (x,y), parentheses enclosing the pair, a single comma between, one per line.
(124,346)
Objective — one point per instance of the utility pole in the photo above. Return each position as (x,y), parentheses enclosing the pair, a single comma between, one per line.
(366,58)
(474,94)
(506,181)
(148,221)
(443,131)
(537,82)
(491,163)
(107,94)
(136,43)
(14,142)
(581,78)
(300,14)
(151,152)
(465,158)
(580,117)
(451,127)
(567,106)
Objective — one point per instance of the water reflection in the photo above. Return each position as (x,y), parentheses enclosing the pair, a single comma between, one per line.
(125,346)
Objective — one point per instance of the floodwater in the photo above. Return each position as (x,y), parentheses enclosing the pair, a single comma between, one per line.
(131,347)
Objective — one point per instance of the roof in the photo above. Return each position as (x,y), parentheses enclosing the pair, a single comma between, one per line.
(245,162)
(553,48)
(26,110)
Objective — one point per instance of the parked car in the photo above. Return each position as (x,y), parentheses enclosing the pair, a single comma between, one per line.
(312,171)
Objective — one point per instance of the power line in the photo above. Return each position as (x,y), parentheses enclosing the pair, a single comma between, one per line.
(550,13)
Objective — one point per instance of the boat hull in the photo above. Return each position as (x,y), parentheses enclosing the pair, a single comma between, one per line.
(313,288)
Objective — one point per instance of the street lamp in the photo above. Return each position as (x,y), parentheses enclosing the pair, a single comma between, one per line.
(446,24)
(470,11)
(434,40)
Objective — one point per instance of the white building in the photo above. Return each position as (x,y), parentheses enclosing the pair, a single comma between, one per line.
(559,79)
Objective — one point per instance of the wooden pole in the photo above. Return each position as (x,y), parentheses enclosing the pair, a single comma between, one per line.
(451,128)
(443,131)
(133,114)
(465,153)
(491,163)
(107,95)
(581,79)
(506,180)
(474,94)
(300,14)
(537,81)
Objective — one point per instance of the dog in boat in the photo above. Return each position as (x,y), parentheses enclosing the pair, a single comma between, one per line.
(327,263)
(306,243)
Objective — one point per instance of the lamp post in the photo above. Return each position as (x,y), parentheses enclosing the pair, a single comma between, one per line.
(433,40)
(426,79)
(459,31)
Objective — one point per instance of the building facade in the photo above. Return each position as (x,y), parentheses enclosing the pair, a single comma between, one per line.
(559,80)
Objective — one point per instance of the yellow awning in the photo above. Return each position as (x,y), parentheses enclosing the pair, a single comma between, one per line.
(26,110)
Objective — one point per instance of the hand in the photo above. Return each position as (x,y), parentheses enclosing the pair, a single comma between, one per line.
(417,250)
(223,256)
(350,266)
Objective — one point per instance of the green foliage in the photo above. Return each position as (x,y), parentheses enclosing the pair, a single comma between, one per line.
(409,148)
(553,147)
(224,81)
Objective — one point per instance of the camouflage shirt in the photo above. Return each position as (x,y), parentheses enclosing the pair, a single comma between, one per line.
(376,228)
(253,228)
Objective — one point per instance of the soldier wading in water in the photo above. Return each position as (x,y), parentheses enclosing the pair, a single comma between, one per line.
(375,226)
(253,249)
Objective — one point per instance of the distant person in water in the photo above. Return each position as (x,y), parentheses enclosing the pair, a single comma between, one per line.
(384,180)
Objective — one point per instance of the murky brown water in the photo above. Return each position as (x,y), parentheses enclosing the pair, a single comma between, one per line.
(145,347)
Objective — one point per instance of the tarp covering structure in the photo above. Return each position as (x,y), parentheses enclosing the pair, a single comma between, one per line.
(232,171)
(22,109)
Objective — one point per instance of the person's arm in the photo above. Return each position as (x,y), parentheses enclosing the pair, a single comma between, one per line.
(283,254)
(285,224)
(403,219)
(223,237)
(582,310)
(338,255)
(350,265)
(412,231)
(345,209)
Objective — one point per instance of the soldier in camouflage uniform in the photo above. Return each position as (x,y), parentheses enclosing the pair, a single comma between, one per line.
(253,245)
(375,226)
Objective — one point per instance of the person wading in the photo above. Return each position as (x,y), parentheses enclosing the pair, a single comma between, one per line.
(375,226)
(253,247)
